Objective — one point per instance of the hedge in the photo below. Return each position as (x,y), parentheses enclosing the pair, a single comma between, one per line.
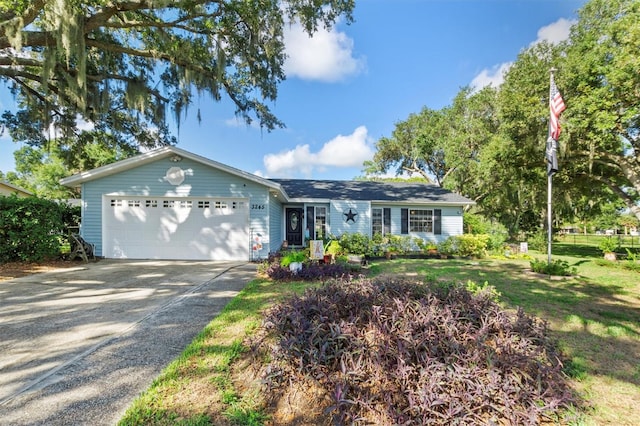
(31,228)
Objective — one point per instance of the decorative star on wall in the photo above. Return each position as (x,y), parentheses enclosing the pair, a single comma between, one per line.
(350,216)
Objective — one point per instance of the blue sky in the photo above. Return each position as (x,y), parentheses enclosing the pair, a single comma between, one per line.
(346,88)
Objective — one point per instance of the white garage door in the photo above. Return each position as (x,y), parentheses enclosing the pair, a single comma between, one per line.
(175,228)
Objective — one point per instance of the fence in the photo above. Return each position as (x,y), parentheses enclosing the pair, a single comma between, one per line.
(631,241)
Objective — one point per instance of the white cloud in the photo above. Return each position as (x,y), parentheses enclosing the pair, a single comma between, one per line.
(327,56)
(342,151)
(491,77)
(81,125)
(556,32)
(553,33)
(237,122)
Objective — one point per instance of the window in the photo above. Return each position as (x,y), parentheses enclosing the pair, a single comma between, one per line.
(186,204)
(151,203)
(321,223)
(168,204)
(376,222)
(221,205)
(380,221)
(116,203)
(421,220)
(203,204)
(317,222)
(133,203)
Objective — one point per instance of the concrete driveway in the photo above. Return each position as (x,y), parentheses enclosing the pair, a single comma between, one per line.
(77,346)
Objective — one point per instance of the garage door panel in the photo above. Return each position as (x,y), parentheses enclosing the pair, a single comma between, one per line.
(211,229)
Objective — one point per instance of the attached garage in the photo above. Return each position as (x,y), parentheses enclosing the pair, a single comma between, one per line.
(173,204)
(202,228)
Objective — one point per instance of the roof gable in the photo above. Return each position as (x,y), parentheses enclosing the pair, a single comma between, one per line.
(9,188)
(158,154)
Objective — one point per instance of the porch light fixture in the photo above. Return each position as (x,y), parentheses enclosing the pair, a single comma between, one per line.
(175,158)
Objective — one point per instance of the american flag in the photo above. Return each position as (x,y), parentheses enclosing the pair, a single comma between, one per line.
(556,106)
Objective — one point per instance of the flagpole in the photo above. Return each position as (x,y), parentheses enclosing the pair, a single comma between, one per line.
(556,106)
(549,221)
(549,194)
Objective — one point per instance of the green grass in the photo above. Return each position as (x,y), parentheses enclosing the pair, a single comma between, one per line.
(595,317)
(206,365)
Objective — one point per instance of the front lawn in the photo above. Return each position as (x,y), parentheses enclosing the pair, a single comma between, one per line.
(595,317)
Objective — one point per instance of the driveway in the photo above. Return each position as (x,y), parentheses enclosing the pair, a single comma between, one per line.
(77,346)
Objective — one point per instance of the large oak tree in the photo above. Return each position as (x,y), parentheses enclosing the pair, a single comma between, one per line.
(601,76)
(124,66)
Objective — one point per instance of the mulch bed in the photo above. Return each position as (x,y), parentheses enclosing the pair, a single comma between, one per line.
(13,270)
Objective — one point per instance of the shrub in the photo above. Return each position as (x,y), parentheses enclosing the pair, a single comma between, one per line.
(30,228)
(448,246)
(464,245)
(355,243)
(400,244)
(315,271)
(557,267)
(472,244)
(538,241)
(608,244)
(477,224)
(277,268)
(631,263)
(334,248)
(277,272)
(395,352)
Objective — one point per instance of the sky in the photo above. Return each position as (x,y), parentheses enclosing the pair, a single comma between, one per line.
(347,87)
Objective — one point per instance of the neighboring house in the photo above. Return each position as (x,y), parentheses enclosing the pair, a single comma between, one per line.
(173,204)
(6,189)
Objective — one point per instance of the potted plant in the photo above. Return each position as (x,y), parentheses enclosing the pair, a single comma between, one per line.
(293,260)
(447,248)
(431,248)
(332,250)
(608,245)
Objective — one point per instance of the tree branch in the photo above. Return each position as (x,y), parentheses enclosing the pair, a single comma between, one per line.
(149,54)
(630,202)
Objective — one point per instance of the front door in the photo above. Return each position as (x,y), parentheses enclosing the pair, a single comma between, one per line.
(294,226)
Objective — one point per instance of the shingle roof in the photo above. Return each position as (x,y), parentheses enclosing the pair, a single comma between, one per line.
(303,189)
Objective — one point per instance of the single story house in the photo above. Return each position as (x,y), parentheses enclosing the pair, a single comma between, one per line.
(173,204)
(7,189)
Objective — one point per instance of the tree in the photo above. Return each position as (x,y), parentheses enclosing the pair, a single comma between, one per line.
(440,145)
(609,216)
(39,170)
(602,87)
(414,147)
(472,123)
(628,222)
(122,65)
(39,173)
